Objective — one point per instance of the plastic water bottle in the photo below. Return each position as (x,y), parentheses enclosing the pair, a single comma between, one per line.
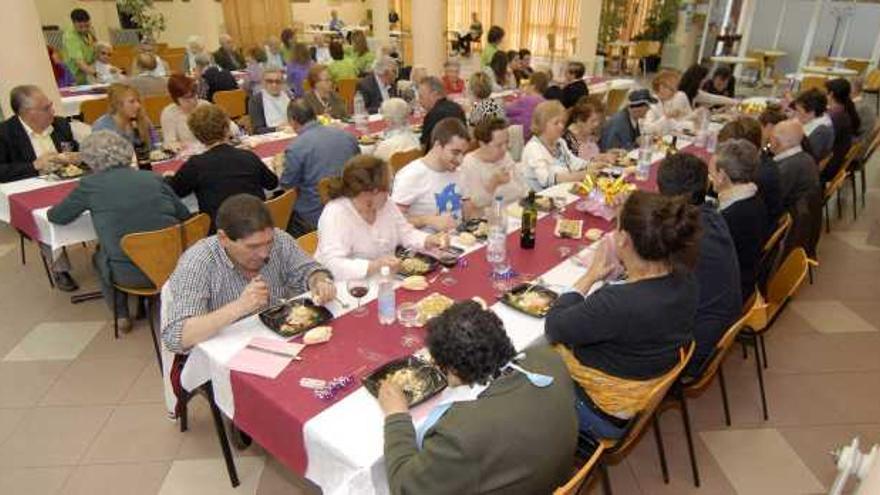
(360,112)
(387,300)
(643,167)
(496,250)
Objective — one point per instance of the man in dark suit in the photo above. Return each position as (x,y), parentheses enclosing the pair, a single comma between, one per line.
(228,56)
(575,86)
(379,85)
(432,97)
(212,78)
(34,141)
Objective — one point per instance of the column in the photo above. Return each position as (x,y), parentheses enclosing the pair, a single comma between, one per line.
(588,33)
(779,22)
(811,34)
(27,61)
(705,37)
(429,34)
(380,21)
(875,53)
(744,28)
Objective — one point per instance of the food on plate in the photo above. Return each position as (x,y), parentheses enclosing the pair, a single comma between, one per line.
(300,317)
(467,239)
(414,265)
(594,234)
(410,381)
(318,335)
(415,282)
(70,171)
(433,305)
(482,229)
(369,139)
(533,301)
(569,229)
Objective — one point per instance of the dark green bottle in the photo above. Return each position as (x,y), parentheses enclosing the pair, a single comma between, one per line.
(529,223)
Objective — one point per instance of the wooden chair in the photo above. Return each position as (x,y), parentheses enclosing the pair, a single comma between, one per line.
(573,485)
(92,110)
(616,449)
(813,82)
(281,208)
(780,289)
(153,106)
(773,248)
(872,86)
(822,61)
(836,184)
(175,62)
(347,89)
(308,242)
(233,102)
(324,189)
(694,385)
(121,59)
(402,158)
(156,253)
(615,99)
(857,65)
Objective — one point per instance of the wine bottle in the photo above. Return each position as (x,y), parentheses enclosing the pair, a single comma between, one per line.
(529,223)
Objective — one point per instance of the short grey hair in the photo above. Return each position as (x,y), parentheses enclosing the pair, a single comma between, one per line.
(273,69)
(106,149)
(395,111)
(384,63)
(102,44)
(203,60)
(194,40)
(434,84)
(21,97)
(739,159)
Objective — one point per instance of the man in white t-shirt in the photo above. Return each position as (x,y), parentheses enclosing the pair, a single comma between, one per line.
(428,190)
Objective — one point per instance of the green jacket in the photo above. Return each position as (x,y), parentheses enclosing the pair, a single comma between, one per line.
(343,69)
(121,201)
(78,47)
(488,53)
(515,439)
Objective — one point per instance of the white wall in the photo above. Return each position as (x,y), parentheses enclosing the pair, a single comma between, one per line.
(862,33)
(318,11)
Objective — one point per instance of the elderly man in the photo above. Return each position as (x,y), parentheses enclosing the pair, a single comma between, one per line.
(268,108)
(228,56)
(145,80)
(245,267)
(799,183)
(194,46)
(428,190)
(161,66)
(121,200)
(79,46)
(212,78)
(432,97)
(733,171)
(317,152)
(380,84)
(717,272)
(622,130)
(35,141)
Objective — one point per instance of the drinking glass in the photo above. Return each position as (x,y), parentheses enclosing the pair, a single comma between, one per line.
(358,288)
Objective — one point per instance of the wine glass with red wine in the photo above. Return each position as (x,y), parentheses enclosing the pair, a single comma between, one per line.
(358,288)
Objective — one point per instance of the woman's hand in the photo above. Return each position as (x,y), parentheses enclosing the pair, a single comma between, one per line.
(391,399)
(322,288)
(600,268)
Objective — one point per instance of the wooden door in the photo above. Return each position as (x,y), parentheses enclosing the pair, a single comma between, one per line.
(250,22)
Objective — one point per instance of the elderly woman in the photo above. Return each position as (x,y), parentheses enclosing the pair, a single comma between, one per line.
(520,110)
(489,171)
(481,435)
(398,137)
(121,200)
(672,108)
(546,158)
(298,68)
(268,108)
(359,228)
(485,107)
(222,170)
(810,108)
(176,133)
(105,72)
(341,67)
(452,81)
(582,129)
(636,326)
(845,122)
(321,97)
(126,117)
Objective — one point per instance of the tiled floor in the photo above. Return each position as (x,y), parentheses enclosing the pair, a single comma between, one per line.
(81,413)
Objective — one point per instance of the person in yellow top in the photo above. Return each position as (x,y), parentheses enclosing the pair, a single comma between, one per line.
(493,39)
(79,46)
(341,67)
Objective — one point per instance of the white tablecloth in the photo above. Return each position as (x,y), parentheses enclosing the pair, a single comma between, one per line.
(344,443)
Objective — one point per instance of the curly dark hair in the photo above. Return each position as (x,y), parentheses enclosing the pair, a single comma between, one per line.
(470,342)
(684,174)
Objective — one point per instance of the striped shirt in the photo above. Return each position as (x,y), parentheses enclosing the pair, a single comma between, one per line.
(205,280)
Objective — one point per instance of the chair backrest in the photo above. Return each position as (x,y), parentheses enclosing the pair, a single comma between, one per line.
(872,81)
(232,101)
(822,61)
(813,82)
(153,106)
(121,59)
(836,182)
(156,253)
(346,89)
(824,162)
(722,347)
(857,65)
(615,99)
(281,208)
(573,486)
(324,189)
(93,109)
(640,421)
(787,279)
(308,242)
(402,158)
(782,227)
(175,62)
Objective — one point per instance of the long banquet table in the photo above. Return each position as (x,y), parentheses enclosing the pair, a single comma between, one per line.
(338,443)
